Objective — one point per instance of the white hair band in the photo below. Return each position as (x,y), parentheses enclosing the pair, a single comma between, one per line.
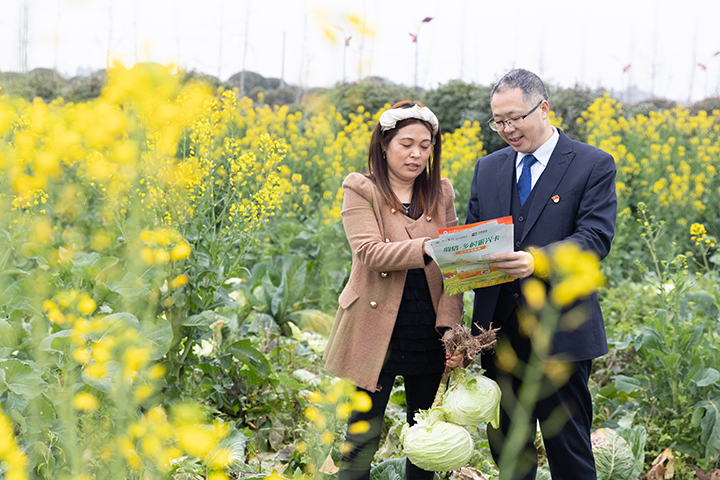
(391,116)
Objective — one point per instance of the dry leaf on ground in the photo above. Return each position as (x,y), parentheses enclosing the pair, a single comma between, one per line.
(663,467)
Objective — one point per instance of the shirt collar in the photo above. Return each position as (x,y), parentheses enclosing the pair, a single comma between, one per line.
(543,153)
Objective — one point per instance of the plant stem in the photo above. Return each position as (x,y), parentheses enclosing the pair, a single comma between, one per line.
(442,388)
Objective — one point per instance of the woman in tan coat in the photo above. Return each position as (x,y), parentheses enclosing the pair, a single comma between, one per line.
(393,310)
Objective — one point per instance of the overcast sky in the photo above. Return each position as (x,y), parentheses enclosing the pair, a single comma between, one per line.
(656,45)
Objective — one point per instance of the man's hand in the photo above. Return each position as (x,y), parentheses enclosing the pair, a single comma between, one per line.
(518,264)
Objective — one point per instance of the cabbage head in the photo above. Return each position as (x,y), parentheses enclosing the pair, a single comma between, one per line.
(472,399)
(614,459)
(435,445)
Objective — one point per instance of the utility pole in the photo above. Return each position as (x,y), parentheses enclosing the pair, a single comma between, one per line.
(135,40)
(109,46)
(415,41)
(242,72)
(282,67)
(346,40)
(23,37)
(694,63)
(220,40)
(57,36)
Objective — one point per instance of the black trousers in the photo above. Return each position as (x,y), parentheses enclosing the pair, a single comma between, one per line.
(419,395)
(564,413)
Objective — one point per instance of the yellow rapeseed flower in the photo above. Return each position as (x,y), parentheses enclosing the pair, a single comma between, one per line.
(179,281)
(181,251)
(220,458)
(534,293)
(361,402)
(343,410)
(86,305)
(86,401)
(218,476)
(196,440)
(314,415)
(358,427)
(327,438)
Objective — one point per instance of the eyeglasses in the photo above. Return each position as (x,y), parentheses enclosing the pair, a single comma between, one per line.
(514,122)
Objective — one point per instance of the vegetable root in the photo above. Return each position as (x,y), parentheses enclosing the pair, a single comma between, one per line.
(459,340)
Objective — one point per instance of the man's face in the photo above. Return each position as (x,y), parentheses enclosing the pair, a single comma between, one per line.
(523,135)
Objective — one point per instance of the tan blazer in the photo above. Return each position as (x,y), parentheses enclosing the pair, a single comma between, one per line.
(385,244)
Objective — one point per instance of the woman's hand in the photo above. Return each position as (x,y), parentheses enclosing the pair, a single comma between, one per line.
(453,361)
(426,250)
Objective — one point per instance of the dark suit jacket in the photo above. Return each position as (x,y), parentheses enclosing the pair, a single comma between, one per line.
(583,177)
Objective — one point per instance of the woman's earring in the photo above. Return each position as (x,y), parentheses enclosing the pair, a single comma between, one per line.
(383,154)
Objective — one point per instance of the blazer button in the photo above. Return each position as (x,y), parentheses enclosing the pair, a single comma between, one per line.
(521,218)
(383,274)
(517,244)
(515,296)
(373,304)
(387,240)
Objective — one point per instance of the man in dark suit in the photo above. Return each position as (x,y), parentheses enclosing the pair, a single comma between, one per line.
(557,190)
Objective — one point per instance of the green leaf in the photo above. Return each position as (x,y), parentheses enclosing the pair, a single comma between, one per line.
(292,285)
(21,379)
(710,426)
(102,266)
(649,340)
(268,292)
(83,262)
(15,298)
(222,299)
(393,469)
(39,415)
(48,343)
(245,353)
(258,323)
(694,302)
(202,320)
(627,384)
(112,379)
(543,474)
(130,286)
(8,338)
(128,319)
(705,377)
(624,343)
(636,438)
(669,362)
(160,334)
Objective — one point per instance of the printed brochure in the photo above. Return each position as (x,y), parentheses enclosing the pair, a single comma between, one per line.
(463,254)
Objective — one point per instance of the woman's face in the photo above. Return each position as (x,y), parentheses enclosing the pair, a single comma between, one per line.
(408,153)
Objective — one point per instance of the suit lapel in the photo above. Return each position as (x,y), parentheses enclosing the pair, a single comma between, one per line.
(546,185)
(505,168)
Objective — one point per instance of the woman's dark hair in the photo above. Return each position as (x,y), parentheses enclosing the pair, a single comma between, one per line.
(427,188)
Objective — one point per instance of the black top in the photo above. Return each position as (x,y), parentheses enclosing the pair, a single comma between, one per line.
(415,346)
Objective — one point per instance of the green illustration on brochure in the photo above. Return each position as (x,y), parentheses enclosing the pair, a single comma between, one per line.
(463,254)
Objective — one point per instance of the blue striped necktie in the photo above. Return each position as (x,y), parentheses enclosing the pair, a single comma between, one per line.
(524,183)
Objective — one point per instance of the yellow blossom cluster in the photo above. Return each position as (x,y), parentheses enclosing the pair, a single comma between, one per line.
(339,401)
(574,274)
(10,454)
(698,234)
(666,159)
(162,245)
(157,439)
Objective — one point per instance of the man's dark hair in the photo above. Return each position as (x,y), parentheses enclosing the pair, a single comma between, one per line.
(532,87)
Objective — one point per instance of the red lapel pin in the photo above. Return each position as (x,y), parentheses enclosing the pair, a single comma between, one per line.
(556,198)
